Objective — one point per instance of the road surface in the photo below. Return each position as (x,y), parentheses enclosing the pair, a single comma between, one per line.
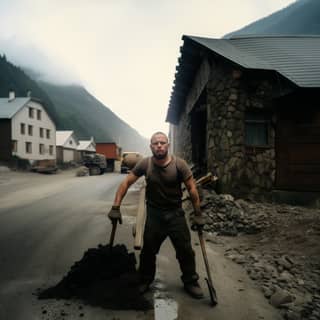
(47,222)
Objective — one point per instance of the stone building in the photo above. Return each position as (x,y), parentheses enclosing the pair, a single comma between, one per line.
(247,108)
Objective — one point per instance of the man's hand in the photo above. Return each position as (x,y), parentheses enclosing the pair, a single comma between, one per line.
(198,221)
(115,214)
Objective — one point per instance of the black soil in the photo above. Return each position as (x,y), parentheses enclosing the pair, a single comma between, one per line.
(103,277)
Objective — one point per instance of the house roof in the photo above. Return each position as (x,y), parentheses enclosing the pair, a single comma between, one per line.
(62,136)
(9,109)
(296,58)
(85,144)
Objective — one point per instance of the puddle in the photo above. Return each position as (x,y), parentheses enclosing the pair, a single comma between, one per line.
(165,309)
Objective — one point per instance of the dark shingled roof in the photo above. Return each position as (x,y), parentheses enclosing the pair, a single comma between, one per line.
(296,58)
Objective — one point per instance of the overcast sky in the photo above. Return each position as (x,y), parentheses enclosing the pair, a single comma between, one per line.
(123,51)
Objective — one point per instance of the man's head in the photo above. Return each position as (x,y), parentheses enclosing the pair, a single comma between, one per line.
(159,145)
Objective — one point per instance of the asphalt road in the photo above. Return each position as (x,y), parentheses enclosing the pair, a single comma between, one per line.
(47,222)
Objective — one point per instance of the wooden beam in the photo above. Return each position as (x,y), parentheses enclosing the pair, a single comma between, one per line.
(141,219)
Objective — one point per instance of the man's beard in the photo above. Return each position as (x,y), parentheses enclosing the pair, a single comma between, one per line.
(160,156)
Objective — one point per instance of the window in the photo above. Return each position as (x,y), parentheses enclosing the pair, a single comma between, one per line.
(39,114)
(31,112)
(51,150)
(30,130)
(14,145)
(28,147)
(48,133)
(256,129)
(41,132)
(22,128)
(70,142)
(41,148)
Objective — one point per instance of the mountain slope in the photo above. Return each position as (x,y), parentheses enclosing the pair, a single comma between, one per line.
(301,17)
(77,109)
(72,108)
(14,78)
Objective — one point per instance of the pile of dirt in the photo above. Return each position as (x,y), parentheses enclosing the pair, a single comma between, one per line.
(104,277)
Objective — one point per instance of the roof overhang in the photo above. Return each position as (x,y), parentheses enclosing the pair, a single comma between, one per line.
(295,58)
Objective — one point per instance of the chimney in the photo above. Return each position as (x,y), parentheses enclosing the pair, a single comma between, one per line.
(29,93)
(12,95)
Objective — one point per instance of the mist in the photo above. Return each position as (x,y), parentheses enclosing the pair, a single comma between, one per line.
(123,52)
(32,60)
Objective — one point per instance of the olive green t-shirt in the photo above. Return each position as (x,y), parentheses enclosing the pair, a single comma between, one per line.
(163,188)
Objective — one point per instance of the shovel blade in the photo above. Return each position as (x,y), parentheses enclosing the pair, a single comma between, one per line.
(212,292)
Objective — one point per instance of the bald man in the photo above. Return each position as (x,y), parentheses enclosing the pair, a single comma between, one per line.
(164,175)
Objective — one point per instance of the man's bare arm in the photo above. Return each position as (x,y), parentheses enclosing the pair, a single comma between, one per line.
(123,188)
(194,195)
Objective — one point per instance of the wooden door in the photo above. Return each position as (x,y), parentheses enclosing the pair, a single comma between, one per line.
(298,149)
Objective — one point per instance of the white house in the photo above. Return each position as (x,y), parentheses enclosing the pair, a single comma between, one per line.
(85,147)
(26,130)
(66,146)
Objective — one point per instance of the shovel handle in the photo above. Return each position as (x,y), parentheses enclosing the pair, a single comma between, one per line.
(212,291)
(113,232)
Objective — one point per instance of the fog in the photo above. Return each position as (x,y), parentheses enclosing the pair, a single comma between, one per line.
(123,51)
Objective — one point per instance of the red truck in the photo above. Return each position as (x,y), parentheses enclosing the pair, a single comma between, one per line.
(111,151)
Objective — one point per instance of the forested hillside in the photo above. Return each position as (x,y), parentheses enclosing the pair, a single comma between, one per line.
(72,108)
(79,110)
(14,78)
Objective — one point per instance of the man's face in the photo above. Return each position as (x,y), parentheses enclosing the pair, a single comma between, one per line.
(159,146)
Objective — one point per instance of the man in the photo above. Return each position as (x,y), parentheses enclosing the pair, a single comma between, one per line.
(165,217)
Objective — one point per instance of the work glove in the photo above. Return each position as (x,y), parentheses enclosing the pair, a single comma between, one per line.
(115,214)
(197,223)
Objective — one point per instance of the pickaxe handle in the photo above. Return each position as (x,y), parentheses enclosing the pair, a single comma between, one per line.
(212,291)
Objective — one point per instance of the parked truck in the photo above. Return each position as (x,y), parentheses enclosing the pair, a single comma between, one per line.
(111,151)
(44,166)
(96,163)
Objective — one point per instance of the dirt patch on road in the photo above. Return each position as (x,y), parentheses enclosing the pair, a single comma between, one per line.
(104,277)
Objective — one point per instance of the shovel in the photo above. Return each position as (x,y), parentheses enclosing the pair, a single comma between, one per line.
(212,291)
(113,232)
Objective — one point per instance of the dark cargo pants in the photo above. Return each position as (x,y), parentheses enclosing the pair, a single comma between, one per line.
(160,224)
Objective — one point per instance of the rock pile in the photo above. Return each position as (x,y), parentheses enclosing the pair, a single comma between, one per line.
(277,244)
(284,280)
(82,171)
(104,277)
(226,216)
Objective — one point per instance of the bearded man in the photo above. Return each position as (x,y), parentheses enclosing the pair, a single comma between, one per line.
(164,175)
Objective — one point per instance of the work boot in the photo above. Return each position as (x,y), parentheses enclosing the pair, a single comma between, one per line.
(194,290)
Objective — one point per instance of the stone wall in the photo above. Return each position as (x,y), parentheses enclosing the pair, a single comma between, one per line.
(182,138)
(243,171)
